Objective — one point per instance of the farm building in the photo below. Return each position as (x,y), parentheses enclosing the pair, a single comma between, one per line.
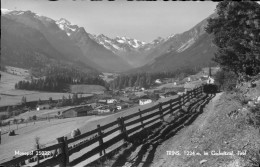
(122,106)
(43,107)
(162,96)
(110,101)
(158,81)
(210,80)
(102,109)
(180,93)
(76,112)
(144,101)
(103,101)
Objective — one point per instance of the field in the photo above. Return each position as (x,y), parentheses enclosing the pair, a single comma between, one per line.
(40,114)
(46,131)
(10,96)
(87,89)
(49,131)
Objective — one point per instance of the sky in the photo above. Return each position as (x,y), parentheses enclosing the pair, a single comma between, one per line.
(141,20)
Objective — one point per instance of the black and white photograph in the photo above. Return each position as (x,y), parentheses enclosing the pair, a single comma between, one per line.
(129,83)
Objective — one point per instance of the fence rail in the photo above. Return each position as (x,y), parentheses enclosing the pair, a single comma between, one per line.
(125,127)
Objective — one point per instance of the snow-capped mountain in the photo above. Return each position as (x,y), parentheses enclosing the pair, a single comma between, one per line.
(66,26)
(70,40)
(100,54)
(132,50)
(118,43)
(112,54)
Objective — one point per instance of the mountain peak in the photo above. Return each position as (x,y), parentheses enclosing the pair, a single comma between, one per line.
(5,11)
(63,21)
(102,36)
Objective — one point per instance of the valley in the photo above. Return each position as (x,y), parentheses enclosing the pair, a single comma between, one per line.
(102,69)
(130,84)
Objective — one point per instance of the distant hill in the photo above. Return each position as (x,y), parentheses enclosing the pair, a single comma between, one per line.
(198,55)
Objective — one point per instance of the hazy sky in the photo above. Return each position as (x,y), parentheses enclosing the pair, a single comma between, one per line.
(141,20)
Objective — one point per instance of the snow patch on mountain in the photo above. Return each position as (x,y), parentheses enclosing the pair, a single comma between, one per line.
(186,45)
(61,26)
(120,41)
(171,36)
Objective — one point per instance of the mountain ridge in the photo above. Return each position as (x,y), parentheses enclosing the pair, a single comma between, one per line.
(119,54)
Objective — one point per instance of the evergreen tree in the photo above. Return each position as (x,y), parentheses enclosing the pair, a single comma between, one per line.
(236,31)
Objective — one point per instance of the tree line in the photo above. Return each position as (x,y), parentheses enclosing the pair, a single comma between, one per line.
(146,80)
(59,80)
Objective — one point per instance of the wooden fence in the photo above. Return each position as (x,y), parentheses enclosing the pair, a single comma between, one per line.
(69,152)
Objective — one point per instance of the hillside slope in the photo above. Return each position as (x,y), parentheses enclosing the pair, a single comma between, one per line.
(197,55)
(213,132)
(193,48)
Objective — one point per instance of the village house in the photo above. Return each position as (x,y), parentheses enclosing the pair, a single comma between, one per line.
(122,106)
(43,107)
(102,101)
(144,101)
(111,101)
(180,93)
(76,112)
(210,80)
(158,81)
(162,96)
(102,109)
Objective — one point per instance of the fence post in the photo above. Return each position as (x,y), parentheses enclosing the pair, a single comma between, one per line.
(141,118)
(100,135)
(161,112)
(38,158)
(179,102)
(122,128)
(64,151)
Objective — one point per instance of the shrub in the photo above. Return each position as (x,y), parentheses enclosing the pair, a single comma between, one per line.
(34,117)
(254,116)
(225,80)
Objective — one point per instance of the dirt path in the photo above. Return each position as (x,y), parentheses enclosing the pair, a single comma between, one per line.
(182,142)
(149,148)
